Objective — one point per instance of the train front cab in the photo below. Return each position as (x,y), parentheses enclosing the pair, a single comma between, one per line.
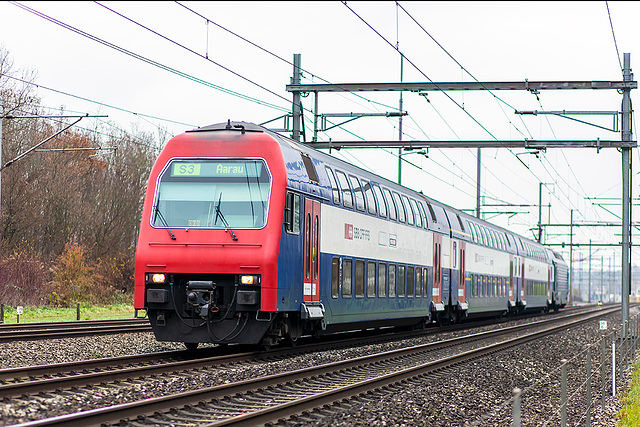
(206,268)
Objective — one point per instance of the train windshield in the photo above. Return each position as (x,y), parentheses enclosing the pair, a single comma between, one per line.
(221,193)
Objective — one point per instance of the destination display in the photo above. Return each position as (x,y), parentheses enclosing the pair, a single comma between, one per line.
(250,168)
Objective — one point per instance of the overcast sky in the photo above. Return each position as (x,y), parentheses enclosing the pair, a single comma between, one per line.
(212,75)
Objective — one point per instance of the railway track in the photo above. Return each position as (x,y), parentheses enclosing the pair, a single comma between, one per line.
(43,378)
(270,398)
(51,330)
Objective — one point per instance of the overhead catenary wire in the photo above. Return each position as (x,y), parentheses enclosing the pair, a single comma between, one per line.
(303,70)
(205,57)
(496,97)
(147,60)
(288,62)
(614,37)
(419,70)
(124,110)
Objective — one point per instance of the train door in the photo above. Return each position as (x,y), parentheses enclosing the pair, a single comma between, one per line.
(462,289)
(511,279)
(522,282)
(549,299)
(311,250)
(437,269)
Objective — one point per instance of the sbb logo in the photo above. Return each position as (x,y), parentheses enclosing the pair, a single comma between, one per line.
(348,231)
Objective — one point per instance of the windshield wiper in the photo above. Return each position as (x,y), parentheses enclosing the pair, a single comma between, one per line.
(164,222)
(224,221)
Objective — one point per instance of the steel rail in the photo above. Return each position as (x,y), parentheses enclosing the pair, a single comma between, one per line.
(150,406)
(70,324)
(24,380)
(67,332)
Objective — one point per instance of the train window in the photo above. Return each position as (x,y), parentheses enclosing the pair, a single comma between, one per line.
(391,203)
(357,190)
(307,248)
(346,278)
(416,213)
(371,279)
(455,255)
(401,280)
(316,246)
(401,214)
(480,232)
(418,282)
(494,281)
(335,277)
(410,281)
(425,288)
(292,213)
(359,278)
(392,280)
(433,214)
(475,234)
(368,193)
(460,222)
(334,186)
(494,240)
(484,286)
(485,233)
(407,208)
(474,283)
(382,206)
(229,193)
(311,169)
(422,214)
(347,197)
(382,280)
(507,238)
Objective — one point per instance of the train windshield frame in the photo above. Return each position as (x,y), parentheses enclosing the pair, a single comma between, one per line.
(212,193)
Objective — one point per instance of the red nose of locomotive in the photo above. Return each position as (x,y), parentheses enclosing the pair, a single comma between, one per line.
(207,247)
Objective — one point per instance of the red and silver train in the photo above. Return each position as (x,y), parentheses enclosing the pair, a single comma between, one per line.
(250,237)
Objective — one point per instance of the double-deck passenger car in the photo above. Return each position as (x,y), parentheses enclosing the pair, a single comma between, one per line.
(250,237)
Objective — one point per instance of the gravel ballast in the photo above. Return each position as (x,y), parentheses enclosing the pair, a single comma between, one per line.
(455,397)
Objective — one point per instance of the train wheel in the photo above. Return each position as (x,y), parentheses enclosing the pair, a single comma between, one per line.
(291,341)
(191,346)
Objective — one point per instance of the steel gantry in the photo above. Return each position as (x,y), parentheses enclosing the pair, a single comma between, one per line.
(624,144)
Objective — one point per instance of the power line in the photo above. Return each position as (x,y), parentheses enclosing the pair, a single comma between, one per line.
(419,70)
(208,20)
(95,102)
(614,36)
(496,97)
(133,141)
(147,60)
(193,52)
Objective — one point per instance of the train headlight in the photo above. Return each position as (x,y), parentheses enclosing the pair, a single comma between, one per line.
(249,280)
(158,278)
